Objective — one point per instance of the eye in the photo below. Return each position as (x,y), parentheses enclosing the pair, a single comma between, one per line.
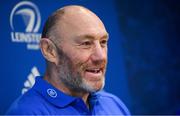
(104,43)
(86,43)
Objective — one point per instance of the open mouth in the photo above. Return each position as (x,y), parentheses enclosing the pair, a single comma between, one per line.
(98,70)
(94,73)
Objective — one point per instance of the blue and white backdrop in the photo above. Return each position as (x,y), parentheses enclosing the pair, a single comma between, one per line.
(143,64)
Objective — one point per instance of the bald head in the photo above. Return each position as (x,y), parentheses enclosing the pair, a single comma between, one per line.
(68,19)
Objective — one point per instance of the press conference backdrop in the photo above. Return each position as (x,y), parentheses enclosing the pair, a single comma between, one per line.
(143,56)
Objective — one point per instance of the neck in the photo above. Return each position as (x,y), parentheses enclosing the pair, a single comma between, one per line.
(60,86)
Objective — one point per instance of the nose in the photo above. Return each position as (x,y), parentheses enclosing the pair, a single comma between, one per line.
(99,53)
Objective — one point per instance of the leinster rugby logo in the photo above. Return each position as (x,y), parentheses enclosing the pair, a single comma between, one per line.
(25,21)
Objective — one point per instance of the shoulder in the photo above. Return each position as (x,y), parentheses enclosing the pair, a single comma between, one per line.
(109,99)
(29,103)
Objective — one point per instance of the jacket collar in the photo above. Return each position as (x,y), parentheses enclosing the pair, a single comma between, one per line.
(52,94)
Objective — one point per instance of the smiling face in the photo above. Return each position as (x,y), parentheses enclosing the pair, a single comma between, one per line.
(82,52)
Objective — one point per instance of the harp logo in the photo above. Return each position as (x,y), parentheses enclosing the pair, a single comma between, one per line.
(25,21)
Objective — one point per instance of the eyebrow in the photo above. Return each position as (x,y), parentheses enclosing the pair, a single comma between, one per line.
(92,37)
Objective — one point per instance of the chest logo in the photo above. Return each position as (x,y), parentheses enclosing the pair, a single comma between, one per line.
(52,93)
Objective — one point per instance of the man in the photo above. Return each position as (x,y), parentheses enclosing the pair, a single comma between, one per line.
(74,44)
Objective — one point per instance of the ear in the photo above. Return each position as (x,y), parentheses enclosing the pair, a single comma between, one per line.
(48,50)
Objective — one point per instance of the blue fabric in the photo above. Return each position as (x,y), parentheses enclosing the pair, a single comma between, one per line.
(44,99)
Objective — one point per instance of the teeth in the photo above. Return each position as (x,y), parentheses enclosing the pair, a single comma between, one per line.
(94,70)
(97,70)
